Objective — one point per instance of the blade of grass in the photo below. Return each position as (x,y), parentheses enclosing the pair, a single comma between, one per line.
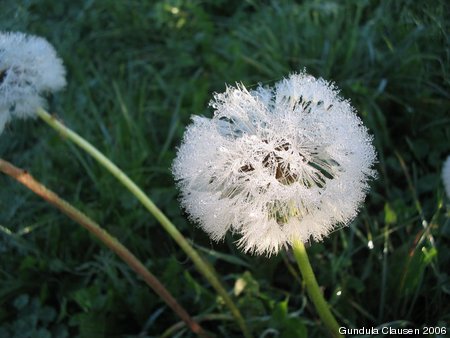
(384,274)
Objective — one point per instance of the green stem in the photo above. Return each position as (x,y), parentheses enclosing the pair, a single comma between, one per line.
(111,242)
(201,265)
(313,289)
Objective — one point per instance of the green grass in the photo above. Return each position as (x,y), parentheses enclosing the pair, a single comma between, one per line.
(137,70)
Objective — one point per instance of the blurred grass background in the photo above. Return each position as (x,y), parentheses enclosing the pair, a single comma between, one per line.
(137,70)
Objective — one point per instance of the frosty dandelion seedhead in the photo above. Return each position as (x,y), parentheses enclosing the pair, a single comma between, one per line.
(275,165)
(446,176)
(29,69)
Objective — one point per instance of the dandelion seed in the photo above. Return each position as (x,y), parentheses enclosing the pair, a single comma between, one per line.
(275,165)
(446,176)
(29,69)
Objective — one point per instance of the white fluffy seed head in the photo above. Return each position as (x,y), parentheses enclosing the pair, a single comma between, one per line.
(446,176)
(29,69)
(275,165)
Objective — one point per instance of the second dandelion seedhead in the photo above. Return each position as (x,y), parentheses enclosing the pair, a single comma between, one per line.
(29,69)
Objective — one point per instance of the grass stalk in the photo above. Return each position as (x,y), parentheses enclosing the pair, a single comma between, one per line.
(111,242)
(204,268)
(313,289)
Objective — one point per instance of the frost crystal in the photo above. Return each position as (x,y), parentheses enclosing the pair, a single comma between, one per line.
(446,176)
(275,164)
(29,69)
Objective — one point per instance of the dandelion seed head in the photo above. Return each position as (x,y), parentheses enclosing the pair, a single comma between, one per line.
(275,165)
(29,70)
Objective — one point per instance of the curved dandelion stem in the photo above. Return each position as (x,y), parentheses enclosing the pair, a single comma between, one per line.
(313,289)
(204,268)
(111,242)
